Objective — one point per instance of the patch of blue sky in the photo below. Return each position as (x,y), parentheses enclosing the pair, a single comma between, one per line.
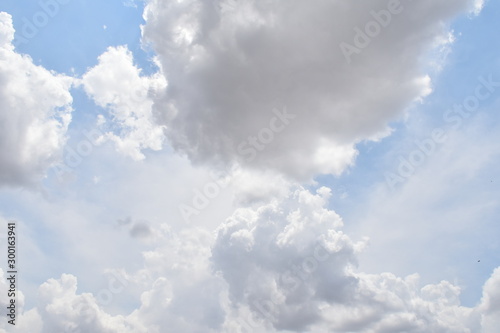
(70,35)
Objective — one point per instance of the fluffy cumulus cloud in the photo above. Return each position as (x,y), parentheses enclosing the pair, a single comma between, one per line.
(117,85)
(289,267)
(284,266)
(286,259)
(175,292)
(280,86)
(286,85)
(64,311)
(35,110)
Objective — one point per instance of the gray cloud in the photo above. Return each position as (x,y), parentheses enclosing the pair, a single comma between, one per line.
(229,66)
(284,260)
(136,229)
(140,230)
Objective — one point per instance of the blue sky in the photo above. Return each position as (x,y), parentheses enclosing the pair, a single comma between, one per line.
(84,30)
(159,208)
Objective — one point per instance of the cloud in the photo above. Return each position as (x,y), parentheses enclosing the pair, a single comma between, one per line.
(140,230)
(63,310)
(280,266)
(241,76)
(286,258)
(478,6)
(26,321)
(117,85)
(35,110)
(231,67)
(491,303)
(289,267)
(387,303)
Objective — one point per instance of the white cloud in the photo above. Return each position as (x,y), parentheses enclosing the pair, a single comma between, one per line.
(292,266)
(491,303)
(26,321)
(281,261)
(288,257)
(281,266)
(63,310)
(478,6)
(231,64)
(35,110)
(117,85)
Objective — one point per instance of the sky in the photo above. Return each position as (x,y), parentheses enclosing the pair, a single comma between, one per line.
(250,165)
